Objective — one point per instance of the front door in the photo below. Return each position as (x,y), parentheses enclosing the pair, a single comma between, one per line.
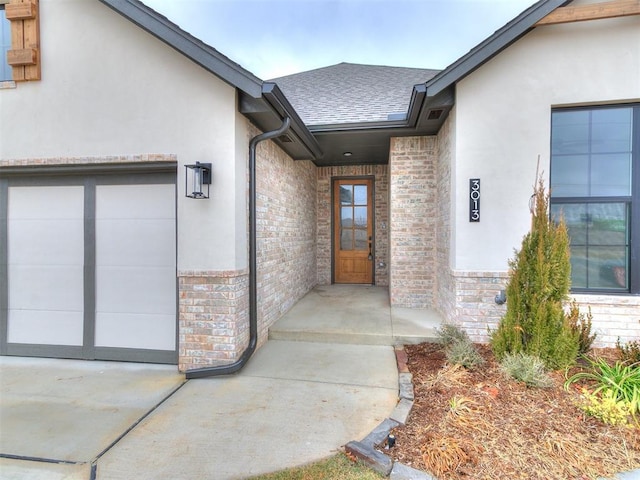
(353,230)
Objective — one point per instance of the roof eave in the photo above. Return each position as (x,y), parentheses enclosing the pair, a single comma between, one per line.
(272,93)
(199,52)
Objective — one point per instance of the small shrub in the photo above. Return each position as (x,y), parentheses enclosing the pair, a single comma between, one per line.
(463,352)
(526,368)
(620,379)
(580,325)
(606,407)
(448,334)
(629,353)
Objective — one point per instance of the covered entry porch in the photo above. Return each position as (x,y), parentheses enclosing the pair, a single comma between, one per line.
(355,314)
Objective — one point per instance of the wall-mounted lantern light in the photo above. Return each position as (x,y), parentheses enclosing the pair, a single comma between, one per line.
(197,176)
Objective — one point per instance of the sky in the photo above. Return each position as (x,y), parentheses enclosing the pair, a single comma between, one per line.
(273,38)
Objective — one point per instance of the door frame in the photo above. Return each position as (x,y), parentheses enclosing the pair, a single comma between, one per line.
(334,181)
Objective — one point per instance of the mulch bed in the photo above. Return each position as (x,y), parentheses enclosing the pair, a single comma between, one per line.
(480,425)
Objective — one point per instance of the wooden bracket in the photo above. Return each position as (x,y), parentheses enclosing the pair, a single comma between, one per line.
(21,11)
(25,56)
(593,11)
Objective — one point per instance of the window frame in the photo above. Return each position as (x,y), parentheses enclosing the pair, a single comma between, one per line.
(8,67)
(633,200)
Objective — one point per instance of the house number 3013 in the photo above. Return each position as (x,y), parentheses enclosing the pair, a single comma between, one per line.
(474,200)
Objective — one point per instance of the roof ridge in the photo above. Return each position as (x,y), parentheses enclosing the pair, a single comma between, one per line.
(368,65)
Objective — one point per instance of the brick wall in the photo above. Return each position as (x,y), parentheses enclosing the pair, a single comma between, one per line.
(286,242)
(413,219)
(475,308)
(445,283)
(213,312)
(613,316)
(381,189)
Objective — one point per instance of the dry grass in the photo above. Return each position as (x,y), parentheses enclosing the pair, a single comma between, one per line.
(480,425)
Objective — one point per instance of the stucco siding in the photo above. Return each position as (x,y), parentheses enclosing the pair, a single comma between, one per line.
(109,88)
(502,126)
(503,115)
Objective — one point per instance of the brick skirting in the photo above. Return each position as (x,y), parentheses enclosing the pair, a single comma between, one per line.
(213,309)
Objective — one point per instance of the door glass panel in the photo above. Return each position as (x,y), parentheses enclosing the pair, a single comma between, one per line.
(354,221)
(346,219)
(360,194)
(346,194)
(362,240)
(346,239)
(360,214)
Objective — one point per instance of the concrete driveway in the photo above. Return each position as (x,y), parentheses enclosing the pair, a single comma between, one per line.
(295,402)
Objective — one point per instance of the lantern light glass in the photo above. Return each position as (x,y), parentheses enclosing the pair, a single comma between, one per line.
(197,180)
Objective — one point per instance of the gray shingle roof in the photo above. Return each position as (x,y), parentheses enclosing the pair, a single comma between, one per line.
(352,93)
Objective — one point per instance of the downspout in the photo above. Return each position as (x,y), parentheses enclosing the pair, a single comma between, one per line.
(253,262)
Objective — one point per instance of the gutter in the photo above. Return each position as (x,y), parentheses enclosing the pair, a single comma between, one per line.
(253,263)
(274,96)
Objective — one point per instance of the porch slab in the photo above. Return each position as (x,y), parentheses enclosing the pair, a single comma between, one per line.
(415,325)
(354,314)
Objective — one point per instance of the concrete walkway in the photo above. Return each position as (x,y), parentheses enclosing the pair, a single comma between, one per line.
(327,376)
(294,403)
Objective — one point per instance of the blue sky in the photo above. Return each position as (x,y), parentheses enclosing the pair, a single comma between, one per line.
(272,38)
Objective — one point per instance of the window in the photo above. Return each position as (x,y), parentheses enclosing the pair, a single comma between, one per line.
(5,45)
(595,185)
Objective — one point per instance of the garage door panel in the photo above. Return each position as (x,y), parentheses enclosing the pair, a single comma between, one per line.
(45,327)
(135,201)
(131,242)
(46,202)
(46,242)
(46,288)
(135,289)
(153,332)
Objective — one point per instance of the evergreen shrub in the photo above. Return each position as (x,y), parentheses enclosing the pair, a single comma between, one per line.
(539,281)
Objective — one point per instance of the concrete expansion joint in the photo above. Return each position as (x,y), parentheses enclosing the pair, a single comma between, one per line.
(321,382)
(369,450)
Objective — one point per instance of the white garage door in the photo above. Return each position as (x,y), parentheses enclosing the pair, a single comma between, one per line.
(46,263)
(91,271)
(135,267)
